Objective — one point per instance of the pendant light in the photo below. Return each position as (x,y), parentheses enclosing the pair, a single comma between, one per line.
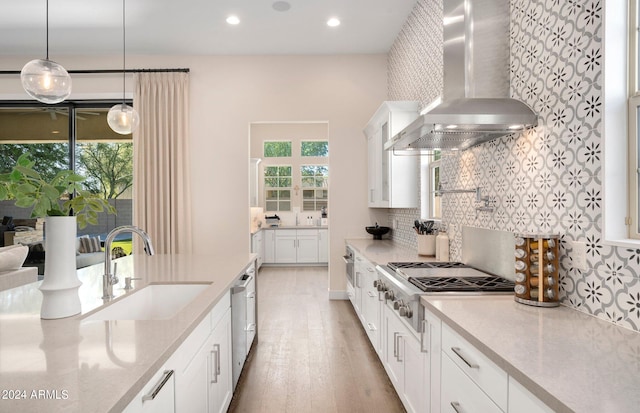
(44,79)
(122,118)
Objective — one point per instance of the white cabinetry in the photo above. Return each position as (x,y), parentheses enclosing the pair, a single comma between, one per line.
(370,304)
(406,363)
(295,246)
(486,375)
(472,382)
(522,401)
(157,396)
(198,376)
(307,247)
(220,366)
(323,245)
(393,180)
(269,245)
(257,246)
(285,247)
(254,179)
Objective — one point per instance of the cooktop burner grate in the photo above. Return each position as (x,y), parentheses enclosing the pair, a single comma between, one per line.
(470,284)
(432,264)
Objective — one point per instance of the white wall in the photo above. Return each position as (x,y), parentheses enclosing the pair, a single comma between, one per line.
(228,93)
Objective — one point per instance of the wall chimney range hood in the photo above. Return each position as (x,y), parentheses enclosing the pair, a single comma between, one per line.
(475,107)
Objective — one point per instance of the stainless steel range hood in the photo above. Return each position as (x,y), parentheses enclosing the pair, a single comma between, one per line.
(475,107)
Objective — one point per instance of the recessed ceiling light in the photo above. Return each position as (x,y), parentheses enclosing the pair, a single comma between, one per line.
(333,22)
(281,6)
(233,20)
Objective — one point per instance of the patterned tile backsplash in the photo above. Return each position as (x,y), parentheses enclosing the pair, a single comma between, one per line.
(545,180)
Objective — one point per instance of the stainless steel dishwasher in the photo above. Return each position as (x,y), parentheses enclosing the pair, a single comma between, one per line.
(243,319)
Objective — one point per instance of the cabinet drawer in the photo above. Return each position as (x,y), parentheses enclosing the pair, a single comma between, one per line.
(220,309)
(522,401)
(485,373)
(460,394)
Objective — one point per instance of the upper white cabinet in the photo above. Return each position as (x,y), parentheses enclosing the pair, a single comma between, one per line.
(254,182)
(393,179)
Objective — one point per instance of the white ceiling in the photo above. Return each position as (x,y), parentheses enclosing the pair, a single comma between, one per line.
(94,27)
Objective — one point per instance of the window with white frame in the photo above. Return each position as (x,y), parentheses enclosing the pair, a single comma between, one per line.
(277,184)
(634,120)
(315,187)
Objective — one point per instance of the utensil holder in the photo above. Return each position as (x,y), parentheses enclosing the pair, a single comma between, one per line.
(427,244)
(536,267)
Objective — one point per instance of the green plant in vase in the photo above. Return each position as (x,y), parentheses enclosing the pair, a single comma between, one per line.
(62,196)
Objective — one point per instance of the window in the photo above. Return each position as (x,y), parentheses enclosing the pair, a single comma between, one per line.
(315,187)
(102,156)
(277,184)
(314,148)
(634,122)
(277,149)
(430,176)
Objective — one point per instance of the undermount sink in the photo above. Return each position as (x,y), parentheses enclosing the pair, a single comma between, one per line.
(153,302)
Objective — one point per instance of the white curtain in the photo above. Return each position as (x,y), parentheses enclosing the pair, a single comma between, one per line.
(161,178)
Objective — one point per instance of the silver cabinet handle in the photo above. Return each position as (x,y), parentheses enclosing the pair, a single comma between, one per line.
(371,327)
(456,407)
(370,269)
(251,327)
(252,294)
(456,350)
(371,294)
(399,338)
(358,280)
(216,359)
(395,345)
(425,327)
(156,389)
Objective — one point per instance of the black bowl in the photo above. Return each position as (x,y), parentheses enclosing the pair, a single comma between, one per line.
(377,232)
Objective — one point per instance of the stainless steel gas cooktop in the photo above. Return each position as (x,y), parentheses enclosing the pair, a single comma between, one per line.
(434,277)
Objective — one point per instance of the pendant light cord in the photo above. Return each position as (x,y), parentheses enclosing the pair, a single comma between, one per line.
(124,53)
(47,8)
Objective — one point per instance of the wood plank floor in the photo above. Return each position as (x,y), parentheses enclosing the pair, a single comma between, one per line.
(312,354)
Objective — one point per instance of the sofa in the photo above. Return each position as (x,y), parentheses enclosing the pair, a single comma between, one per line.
(12,273)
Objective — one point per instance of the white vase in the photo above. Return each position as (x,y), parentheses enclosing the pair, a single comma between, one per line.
(59,288)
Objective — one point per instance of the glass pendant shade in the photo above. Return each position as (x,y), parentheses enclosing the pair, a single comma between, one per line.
(46,81)
(123,119)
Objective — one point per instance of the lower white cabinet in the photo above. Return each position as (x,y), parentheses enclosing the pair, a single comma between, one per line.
(295,246)
(370,303)
(220,377)
(198,376)
(460,393)
(406,363)
(157,396)
(522,401)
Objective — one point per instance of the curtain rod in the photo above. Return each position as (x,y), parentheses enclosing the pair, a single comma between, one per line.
(105,71)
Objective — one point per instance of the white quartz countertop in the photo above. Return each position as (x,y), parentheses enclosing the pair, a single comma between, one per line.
(570,360)
(381,252)
(72,365)
(255,230)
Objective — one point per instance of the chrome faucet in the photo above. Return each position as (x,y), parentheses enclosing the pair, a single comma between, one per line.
(108,279)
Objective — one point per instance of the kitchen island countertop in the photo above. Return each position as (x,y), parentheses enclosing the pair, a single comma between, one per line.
(570,360)
(76,365)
